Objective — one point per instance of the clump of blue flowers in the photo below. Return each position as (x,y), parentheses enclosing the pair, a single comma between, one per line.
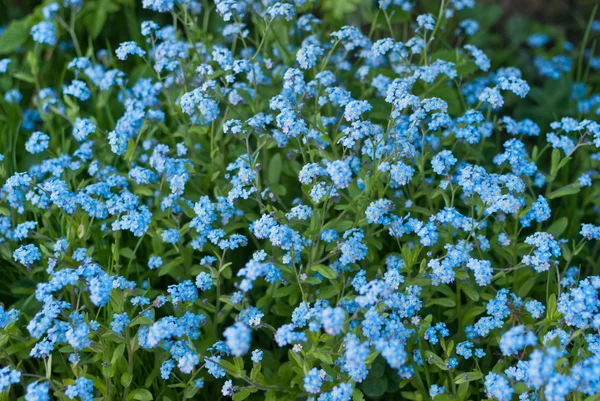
(257,200)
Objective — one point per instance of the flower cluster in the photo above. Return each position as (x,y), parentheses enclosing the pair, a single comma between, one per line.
(252,199)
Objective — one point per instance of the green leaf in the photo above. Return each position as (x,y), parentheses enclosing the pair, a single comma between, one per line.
(470,291)
(24,77)
(126,379)
(130,153)
(551,306)
(324,271)
(127,252)
(140,394)
(323,357)
(329,291)
(14,36)
(462,391)
(230,368)
(375,386)
(284,291)
(339,9)
(443,302)
(436,360)
(357,395)
(526,287)
(274,172)
(119,350)
(98,21)
(293,356)
(564,191)
(241,395)
(554,162)
(595,397)
(558,227)
(468,377)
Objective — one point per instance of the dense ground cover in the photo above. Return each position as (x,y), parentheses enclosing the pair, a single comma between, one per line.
(298,200)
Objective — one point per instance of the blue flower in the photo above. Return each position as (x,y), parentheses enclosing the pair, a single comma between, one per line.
(128,48)
(43,32)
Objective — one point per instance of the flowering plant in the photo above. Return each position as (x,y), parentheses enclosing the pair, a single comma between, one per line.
(250,199)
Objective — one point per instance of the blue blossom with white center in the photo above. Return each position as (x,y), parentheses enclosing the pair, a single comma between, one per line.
(300,212)
(465,349)
(183,292)
(155,262)
(148,27)
(8,377)
(82,128)
(251,316)
(585,180)
(237,338)
(27,254)
(535,308)
(13,96)
(228,389)
(79,254)
(481,60)
(213,368)
(355,108)
(171,236)
(7,317)
(443,161)
(257,356)
(340,173)
(514,84)
(332,320)
(492,96)
(377,212)
(355,355)
(161,6)
(352,248)
(515,339)
(498,387)
(482,270)
(204,281)
(329,235)
(83,388)
(286,335)
(307,55)
(538,40)
(545,248)
(426,21)
(400,173)
(129,48)
(44,32)
(590,231)
(382,46)
(4,65)
(166,368)
(469,26)
(22,230)
(196,99)
(313,380)
(38,391)
(540,211)
(77,89)
(119,322)
(434,390)
(281,10)
(579,306)
(37,142)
